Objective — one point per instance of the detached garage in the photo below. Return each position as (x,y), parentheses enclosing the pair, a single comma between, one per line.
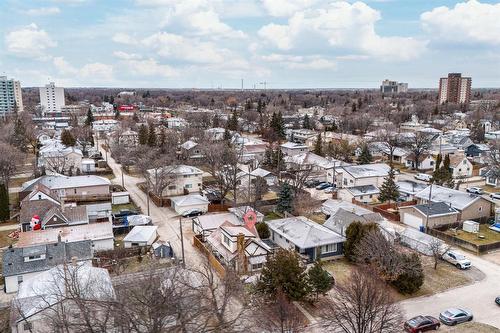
(437,213)
(189,203)
(141,235)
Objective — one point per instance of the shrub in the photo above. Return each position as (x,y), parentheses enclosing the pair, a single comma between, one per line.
(263,230)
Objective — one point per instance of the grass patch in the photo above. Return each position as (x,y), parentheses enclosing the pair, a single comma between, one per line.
(129,206)
(490,236)
(318,217)
(18,182)
(272,216)
(4,238)
(14,199)
(340,269)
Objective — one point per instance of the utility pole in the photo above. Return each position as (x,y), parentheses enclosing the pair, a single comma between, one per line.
(182,243)
(428,208)
(147,195)
(123,183)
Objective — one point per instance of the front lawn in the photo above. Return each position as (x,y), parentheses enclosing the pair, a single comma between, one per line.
(5,240)
(272,216)
(490,236)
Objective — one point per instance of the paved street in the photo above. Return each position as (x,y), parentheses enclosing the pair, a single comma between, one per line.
(165,218)
(478,297)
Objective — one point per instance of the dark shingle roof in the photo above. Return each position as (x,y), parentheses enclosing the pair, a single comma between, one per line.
(36,207)
(436,208)
(55,253)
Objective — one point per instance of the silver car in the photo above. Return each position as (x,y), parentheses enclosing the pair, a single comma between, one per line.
(455,316)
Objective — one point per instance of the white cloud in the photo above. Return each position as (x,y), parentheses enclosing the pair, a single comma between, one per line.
(29,42)
(186,49)
(470,21)
(97,70)
(63,67)
(126,56)
(123,38)
(43,11)
(286,7)
(343,26)
(314,62)
(149,67)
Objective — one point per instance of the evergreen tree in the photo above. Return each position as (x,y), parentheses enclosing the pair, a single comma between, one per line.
(268,157)
(67,138)
(318,145)
(4,203)
(280,126)
(412,276)
(233,122)
(319,280)
(227,134)
(447,175)
(365,157)
(117,114)
(90,118)
(389,190)
(285,198)
(278,157)
(306,122)
(263,230)
(353,234)
(19,138)
(437,175)
(215,121)
(284,272)
(162,138)
(152,136)
(143,135)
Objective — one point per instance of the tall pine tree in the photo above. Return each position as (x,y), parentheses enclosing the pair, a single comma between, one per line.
(143,135)
(90,118)
(285,198)
(318,145)
(152,136)
(4,203)
(67,138)
(306,123)
(389,190)
(365,156)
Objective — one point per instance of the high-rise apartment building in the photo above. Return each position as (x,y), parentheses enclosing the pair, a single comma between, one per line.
(455,89)
(393,87)
(11,97)
(51,98)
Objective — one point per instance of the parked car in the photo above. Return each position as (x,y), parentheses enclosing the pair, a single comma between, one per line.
(421,324)
(455,316)
(495,195)
(118,217)
(192,213)
(312,183)
(423,176)
(497,300)
(329,189)
(457,259)
(475,190)
(322,186)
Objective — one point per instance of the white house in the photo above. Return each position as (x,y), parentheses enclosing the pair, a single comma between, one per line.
(366,174)
(141,235)
(293,148)
(186,203)
(244,177)
(180,179)
(426,161)
(361,193)
(460,166)
(60,159)
(310,239)
(176,123)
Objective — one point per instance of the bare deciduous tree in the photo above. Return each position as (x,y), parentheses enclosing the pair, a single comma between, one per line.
(278,315)
(419,145)
(362,305)
(437,249)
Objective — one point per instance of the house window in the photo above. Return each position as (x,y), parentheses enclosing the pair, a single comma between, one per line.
(432,162)
(171,187)
(19,279)
(27,326)
(480,208)
(360,197)
(257,266)
(371,196)
(188,186)
(186,176)
(329,248)
(227,240)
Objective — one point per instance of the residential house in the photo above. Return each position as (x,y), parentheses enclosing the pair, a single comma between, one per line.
(470,206)
(491,177)
(239,247)
(413,125)
(22,263)
(362,193)
(141,235)
(128,138)
(430,215)
(244,177)
(460,166)
(176,123)
(190,150)
(31,309)
(215,134)
(58,158)
(183,179)
(479,152)
(321,167)
(365,174)
(188,203)
(303,136)
(408,189)
(344,213)
(425,161)
(100,234)
(293,148)
(310,239)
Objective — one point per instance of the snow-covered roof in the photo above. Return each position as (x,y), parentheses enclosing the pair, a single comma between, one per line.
(363,190)
(293,145)
(54,182)
(304,233)
(189,144)
(458,199)
(368,170)
(191,199)
(331,206)
(141,233)
(410,186)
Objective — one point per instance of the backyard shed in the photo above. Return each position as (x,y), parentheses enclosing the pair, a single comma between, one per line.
(141,235)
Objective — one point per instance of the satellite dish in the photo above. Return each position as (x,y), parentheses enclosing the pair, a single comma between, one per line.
(250,219)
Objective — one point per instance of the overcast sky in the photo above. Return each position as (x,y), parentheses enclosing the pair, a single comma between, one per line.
(211,44)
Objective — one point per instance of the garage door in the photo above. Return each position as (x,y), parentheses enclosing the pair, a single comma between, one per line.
(412,220)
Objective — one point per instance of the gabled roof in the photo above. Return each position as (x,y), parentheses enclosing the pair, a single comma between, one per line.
(363,190)
(410,186)
(331,206)
(435,209)
(213,221)
(35,207)
(368,170)
(189,144)
(293,145)
(455,160)
(304,233)
(458,199)
(141,233)
(43,189)
(190,199)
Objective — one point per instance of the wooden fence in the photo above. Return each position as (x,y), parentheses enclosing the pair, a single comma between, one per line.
(219,268)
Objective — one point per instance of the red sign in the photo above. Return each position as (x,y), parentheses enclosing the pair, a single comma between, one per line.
(126,108)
